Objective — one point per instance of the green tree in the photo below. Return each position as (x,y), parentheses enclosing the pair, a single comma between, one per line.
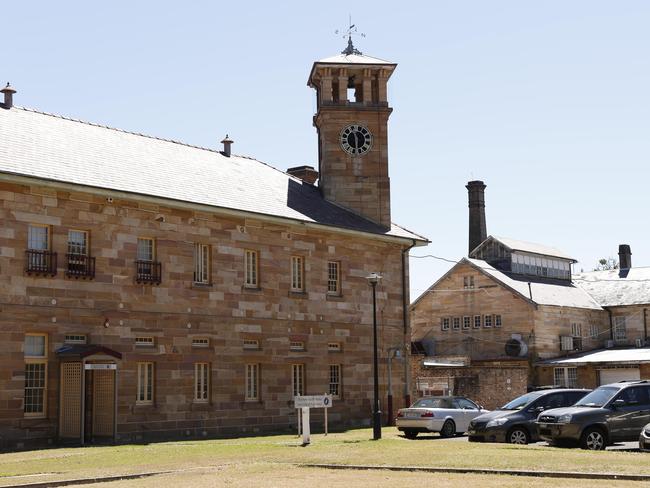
(607,263)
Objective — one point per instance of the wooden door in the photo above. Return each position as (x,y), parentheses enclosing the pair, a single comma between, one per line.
(103,402)
(70,405)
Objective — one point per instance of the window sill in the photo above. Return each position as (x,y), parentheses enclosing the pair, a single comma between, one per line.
(251,404)
(251,288)
(298,294)
(334,297)
(201,286)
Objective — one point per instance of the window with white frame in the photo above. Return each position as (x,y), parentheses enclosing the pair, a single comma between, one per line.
(297,274)
(333,278)
(467,322)
(456,323)
(468,281)
(251,268)
(444,323)
(75,339)
(593,331)
(576,329)
(497,320)
(251,344)
(145,383)
(201,263)
(200,342)
(38,237)
(477,321)
(252,382)
(335,380)
(620,332)
(566,377)
(298,379)
(78,242)
(35,397)
(201,382)
(144,341)
(334,346)
(487,321)
(296,346)
(146,250)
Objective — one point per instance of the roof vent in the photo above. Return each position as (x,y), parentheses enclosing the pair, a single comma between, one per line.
(227,142)
(9,96)
(306,173)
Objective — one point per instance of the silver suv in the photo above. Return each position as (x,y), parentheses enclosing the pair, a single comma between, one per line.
(611,413)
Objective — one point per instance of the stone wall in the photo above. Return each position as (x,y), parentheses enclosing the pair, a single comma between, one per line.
(112,309)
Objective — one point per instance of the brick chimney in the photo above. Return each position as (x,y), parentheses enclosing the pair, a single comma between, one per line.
(306,173)
(624,256)
(477,227)
(8,92)
(227,142)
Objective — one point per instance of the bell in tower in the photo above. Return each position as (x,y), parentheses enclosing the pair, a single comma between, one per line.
(352,124)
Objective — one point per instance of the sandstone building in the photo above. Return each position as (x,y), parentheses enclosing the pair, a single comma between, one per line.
(511,317)
(150,289)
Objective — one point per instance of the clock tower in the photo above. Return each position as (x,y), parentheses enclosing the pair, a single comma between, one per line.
(352,124)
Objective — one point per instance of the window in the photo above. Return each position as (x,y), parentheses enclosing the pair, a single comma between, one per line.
(620,333)
(467,322)
(298,379)
(251,269)
(576,330)
(333,278)
(35,352)
(444,323)
(145,384)
(38,238)
(477,321)
(456,322)
(297,274)
(468,282)
(202,264)
(296,346)
(144,341)
(80,264)
(78,242)
(497,320)
(487,321)
(200,342)
(251,344)
(146,249)
(335,380)
(201,382)
(252,382)
(566,377)
(593,331)
(75,339)
(566,343)
(334,346)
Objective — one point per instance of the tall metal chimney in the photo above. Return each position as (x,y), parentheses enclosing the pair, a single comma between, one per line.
(9,96)
(227,142)
(624,256)
(477,226)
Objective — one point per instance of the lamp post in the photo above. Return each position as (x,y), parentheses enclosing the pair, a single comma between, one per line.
(373,279)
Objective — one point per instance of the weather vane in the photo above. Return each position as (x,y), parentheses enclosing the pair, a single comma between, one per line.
(349,32)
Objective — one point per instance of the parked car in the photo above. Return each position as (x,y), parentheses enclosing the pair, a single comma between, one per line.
(644,438)
(448,415)
(515,421)
(611,413)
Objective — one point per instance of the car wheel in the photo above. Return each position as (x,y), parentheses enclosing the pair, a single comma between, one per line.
(593,439)
(448,429)
(410,434)
(518,435)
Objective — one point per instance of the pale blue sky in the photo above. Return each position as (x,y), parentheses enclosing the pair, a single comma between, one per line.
(547,102)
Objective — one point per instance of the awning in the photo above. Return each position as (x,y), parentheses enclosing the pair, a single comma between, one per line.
(635,355)
(82,351)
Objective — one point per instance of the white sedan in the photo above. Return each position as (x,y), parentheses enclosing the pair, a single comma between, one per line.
(445,414)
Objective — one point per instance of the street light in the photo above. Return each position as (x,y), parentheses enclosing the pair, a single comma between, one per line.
(373,279)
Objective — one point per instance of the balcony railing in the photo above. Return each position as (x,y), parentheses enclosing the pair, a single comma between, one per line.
(148,272)
(80,266)
(40,262)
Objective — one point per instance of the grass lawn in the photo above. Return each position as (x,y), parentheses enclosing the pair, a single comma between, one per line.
(270,454)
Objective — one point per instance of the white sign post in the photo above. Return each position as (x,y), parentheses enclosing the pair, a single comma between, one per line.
(304,403)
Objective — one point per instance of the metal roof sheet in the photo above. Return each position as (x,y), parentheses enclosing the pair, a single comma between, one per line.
(52,147)
(353,59)
(617,287)
(532,247)
(630,355)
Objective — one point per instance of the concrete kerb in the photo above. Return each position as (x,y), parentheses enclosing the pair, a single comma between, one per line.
(511,472)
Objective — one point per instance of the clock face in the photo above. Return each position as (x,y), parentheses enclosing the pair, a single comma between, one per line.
(356,140)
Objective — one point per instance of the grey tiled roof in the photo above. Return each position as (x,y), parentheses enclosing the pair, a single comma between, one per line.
(617,287)
(532,247)
(51,147)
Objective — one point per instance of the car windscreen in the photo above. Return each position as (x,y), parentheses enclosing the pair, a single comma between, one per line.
(521,402)
(431,403)
(598,397)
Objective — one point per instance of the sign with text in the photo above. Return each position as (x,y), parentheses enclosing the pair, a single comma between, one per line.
(313,401)
(99,366)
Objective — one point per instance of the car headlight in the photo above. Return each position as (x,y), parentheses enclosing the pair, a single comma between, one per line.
(564,419)
(496,422)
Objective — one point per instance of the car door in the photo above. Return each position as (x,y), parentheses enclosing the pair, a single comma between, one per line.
(627,413)
(469,410)
(546,402)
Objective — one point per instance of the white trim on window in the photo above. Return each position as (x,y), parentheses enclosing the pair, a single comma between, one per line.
(201,382)
(335,380)
(252,382)
(202,263)
(145,391)
(297,274)
(251,268)
(298,379)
